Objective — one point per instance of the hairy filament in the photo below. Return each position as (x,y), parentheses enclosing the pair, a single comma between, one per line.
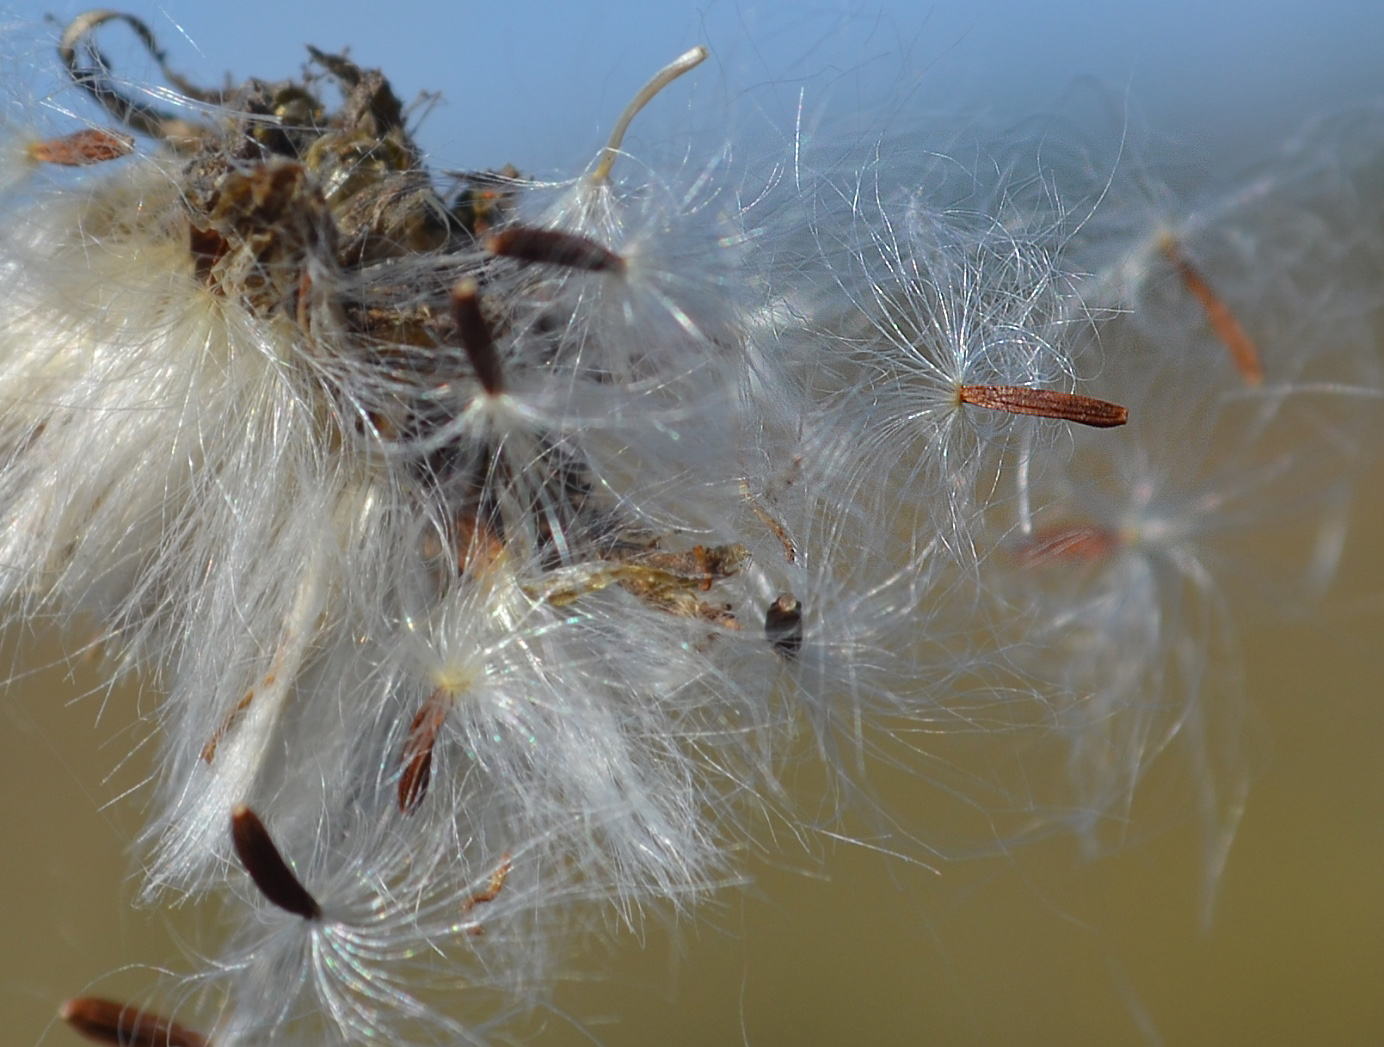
(685,62)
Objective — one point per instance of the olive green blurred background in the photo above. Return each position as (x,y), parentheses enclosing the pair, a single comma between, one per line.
(857,948)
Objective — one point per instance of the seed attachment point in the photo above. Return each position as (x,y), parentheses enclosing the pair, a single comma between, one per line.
(1045,403)
(267,867)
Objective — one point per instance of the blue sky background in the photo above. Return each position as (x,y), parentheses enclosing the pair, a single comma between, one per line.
(540,83)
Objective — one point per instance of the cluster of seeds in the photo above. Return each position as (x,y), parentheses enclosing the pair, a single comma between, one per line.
(491,543)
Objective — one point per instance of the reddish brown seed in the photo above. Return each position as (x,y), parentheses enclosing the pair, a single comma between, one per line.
(783,625)
(491,892)
(418,751)
(1082,542)
(476,337)
(95,145)
(267,867)
(1242,348)
(124,1025)
(1045,403)
(554,247)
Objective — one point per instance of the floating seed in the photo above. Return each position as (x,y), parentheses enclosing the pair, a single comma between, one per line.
(1242,348)
(1081,542)
(1046,403)
(123,1025)
(267,867)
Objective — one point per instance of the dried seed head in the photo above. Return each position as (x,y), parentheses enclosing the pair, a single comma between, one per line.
(267,867)
(1242,348)
(555,247)
(123,1025)
(1045,403)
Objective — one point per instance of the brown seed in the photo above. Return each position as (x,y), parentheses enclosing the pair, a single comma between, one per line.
(783,625)
(1045,403)
(554,247)
(124,1025)
(1242,349)
(1082,542)
(476,337)
(418,751)
(95,145)
(267,867)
